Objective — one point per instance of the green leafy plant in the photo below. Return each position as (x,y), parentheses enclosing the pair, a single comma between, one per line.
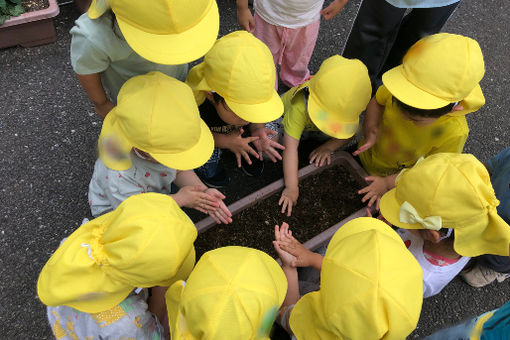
(10,8)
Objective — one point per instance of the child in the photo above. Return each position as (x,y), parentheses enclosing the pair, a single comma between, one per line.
(491,325)
(328,105)
(490,268)
(420,108)
(290,29)
(233,87)
(110,46)
(371,285)
(90,283)
(442,192)
(232,293)
(154,130)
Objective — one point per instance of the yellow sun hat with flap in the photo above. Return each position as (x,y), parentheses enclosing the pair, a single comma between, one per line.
(233,293)
(164,31)
(240,68)
(339,92)
(156,114)
(439,70)
(450,190)
(371,287)
(147,241)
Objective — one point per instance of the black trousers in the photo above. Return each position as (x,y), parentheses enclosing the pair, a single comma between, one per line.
(500,264)
(382,34)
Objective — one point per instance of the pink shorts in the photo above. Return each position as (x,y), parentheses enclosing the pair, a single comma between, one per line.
(292,48)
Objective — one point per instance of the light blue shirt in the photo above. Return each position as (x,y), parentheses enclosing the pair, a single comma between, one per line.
(499,167)
(98,46)
(420,3)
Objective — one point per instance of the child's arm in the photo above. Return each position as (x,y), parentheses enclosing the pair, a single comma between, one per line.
(194,194)
(244,17)
(323,153)
(237,144)
(290,174)
(371,123)
(334,7)
(94,88)
(377,188)
(157,305)
(288,265)
(264,143)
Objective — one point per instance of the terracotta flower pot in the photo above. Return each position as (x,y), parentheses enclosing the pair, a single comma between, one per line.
(339,158)
(31,28)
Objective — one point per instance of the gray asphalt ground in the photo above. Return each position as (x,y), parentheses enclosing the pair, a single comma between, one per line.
(48,131)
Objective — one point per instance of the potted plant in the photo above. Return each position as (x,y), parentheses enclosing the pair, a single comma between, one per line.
(32,28)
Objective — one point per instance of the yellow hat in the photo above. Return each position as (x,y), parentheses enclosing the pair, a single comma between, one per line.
(449,190)
(339,92)
(438,70)
(156,114)
(371,287)
(147,241)
(165,31)
(240,68)
(233,293)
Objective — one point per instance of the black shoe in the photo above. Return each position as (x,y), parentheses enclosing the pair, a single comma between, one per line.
(255,169)
(217,181)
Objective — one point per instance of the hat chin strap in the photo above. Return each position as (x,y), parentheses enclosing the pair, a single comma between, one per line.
(408,214)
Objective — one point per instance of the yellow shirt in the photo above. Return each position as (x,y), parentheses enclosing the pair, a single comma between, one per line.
(400,142)
(295,114)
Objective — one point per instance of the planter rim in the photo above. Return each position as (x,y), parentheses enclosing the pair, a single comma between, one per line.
(51,11)
(339,157)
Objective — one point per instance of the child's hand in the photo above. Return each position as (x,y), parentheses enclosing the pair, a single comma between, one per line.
(245,19)
(370,139)
(266,144)
(279,234)
(241,146)
(221,214)
(288,199)
(336,6)
(321,155)
(196,198)
(375,190)
(303,257)
(103,108)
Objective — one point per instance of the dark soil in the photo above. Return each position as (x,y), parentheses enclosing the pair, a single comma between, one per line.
(325,199)
(34,5)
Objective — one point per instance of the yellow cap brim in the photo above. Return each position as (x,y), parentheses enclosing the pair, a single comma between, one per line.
(260,112)
(390,209)
(178,48)
(71,278)
(408,93)
(191,158)
(97,8)
(111,129)
(332,127)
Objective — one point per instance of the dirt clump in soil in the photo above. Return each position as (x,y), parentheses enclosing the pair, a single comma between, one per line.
(324,200)
(34,5)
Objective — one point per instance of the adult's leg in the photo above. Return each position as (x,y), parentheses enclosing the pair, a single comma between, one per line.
(372,35)
(419,23)
(299,44)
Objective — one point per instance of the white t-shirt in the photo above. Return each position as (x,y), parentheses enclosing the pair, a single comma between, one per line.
(435,278)
(289,13)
